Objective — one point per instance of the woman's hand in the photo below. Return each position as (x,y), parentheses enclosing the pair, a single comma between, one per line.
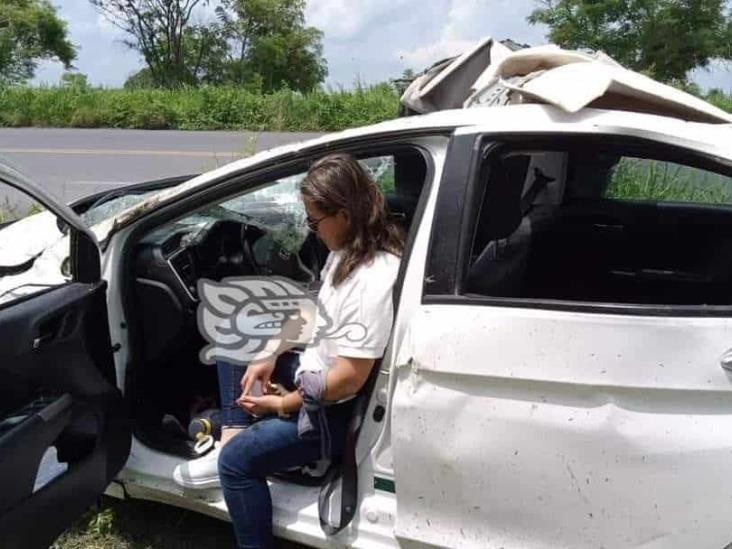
(261,371)
(261,405)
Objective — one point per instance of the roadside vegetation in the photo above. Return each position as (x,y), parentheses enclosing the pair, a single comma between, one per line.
(210,108)
(202,108)
(720,99)
(258,64)
(643,179)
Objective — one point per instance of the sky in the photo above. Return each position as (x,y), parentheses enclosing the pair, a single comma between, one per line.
(364,40)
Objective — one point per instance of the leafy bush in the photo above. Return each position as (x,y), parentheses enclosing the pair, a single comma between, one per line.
(204,108)
(87,117)
(208,108)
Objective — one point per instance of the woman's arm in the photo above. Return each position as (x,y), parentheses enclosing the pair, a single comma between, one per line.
(290,403)
(347,377)
(343,380)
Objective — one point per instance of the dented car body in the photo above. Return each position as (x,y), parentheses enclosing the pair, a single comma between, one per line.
(558,373)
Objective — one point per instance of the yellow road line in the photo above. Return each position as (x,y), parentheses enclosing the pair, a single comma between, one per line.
(121,152)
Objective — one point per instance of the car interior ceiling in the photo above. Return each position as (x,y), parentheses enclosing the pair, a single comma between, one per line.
(582,246)
(167,383)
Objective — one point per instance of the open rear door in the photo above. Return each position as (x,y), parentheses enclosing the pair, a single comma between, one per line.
(64,432)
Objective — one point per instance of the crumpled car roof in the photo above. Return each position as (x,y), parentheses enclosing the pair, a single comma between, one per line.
(494,74)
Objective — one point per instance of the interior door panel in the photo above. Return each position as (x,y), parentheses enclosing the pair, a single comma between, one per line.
(609,250)
(57,390)
(34,429)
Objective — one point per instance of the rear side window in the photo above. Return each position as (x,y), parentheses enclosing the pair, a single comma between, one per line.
(646,179)
(604,227)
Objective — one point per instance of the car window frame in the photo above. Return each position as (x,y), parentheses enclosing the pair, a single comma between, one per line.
(460,196)
(84,258)
(253,177)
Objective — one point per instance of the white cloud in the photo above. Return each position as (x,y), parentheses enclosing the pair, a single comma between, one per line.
(346,19)
(424,56)
(101,54)
(468,21)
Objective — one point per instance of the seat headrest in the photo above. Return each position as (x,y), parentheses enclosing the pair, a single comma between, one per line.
(410,171)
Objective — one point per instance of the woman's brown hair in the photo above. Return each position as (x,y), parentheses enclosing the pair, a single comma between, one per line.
(339,182)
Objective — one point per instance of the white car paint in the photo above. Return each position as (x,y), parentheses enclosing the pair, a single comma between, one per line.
(548,74)
(491,74)
(24,239)
(558,429)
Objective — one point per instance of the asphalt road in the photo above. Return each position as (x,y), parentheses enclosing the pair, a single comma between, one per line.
(72,163)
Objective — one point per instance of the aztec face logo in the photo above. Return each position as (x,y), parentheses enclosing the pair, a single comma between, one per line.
(249,319)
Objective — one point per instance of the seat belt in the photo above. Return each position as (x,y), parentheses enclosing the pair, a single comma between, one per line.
(348,468)
(347,471)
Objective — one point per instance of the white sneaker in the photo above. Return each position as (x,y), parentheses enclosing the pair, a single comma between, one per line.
(200,473)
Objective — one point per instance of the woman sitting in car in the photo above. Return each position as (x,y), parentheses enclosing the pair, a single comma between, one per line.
(346,209)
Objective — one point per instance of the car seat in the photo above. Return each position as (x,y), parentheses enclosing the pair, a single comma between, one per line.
(410,171)
(503,234)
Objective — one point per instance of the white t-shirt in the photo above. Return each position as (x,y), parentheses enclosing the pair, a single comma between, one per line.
(365,299)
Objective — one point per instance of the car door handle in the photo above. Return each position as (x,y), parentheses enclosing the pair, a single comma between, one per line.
(51,328)
(726,360)
(42,340)
(47,332)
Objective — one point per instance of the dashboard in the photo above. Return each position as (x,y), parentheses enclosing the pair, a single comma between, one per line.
(170,261)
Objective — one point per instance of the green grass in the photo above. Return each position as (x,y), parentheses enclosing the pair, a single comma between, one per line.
(207,108)
(642,179)
(721,100)
(136,524)
(204,108)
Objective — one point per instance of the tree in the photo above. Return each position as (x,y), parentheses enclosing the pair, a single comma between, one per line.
(269,38)
(402,83)
(205,52)
(261,44)
(140,80)
(30,31)
(74,80)
(664,38)
(161,31)
(289,60)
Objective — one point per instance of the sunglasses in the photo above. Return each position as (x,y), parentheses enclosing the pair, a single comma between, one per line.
(313,223)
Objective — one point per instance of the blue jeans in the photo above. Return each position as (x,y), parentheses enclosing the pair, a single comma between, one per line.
(229,375)
(267,446)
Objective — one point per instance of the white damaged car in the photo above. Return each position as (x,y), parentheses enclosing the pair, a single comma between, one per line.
(560,368)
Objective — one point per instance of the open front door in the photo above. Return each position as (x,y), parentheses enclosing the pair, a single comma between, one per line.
(64,431)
